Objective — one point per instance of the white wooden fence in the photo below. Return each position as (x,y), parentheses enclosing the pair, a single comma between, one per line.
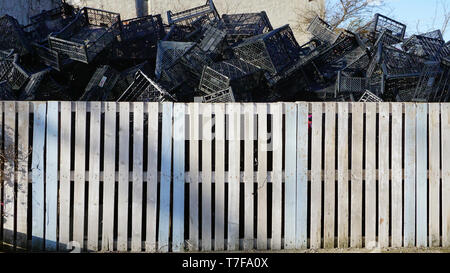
(200,177)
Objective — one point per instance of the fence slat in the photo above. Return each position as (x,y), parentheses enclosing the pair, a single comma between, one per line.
(410,175)
(178,176)
(421,174)
(234,176)
(8,177)
(64,171)
(249,161)
(445,114)
(330,172)
(138,158)
(109,157)
(94,176)
(356,180)
(206,176)
(152,176)
(277,134)
(301,225)
(219,234)
(80,171)
(343,156)
(37,229)
(397,174)
(123,185)
(316,179)
(166,163)
(370,179)
(434,176)
(262,177)
(23,109)
(383,176)
(51,177)
(290,185)
(194,119)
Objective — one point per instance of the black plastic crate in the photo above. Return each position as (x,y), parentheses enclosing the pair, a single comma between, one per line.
(169,53)
(386,38)
(244,25)
(435,34)
(429,48)
(222,96)
(178,63)
(180,33)
(139,37)
(274,51)
(145,89)
(47,56)
(442,87)
(398,63)
(401,88)
(42,86)
(212,41)
(235,73)
(87,35)
(6,93)
(427,82)
(322,31)
(338,51)
(7,58)
(358,66)
(12,36)
(194,17)
(346,84)
(194,60)
(101,84)
(17,76)
(381,22)
(54,20)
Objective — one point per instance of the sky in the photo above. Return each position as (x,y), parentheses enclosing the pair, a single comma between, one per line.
(410,12)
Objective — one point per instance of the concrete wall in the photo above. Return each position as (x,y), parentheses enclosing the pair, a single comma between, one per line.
(22,10)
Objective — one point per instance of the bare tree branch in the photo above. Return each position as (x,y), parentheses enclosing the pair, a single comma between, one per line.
(349,14)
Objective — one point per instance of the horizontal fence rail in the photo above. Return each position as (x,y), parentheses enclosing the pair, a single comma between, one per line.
(165,177)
